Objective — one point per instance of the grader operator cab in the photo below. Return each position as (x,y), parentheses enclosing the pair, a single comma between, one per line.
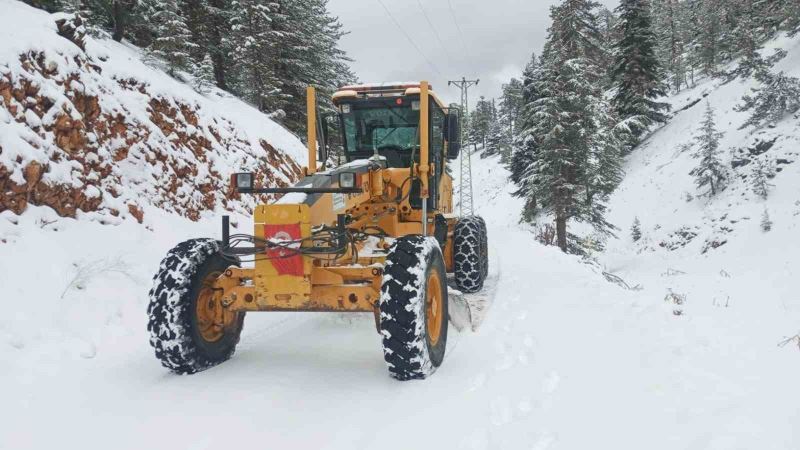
(376,234)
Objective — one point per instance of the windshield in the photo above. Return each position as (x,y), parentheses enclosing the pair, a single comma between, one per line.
(380,126)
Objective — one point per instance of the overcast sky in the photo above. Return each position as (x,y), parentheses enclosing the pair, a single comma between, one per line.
(498,38)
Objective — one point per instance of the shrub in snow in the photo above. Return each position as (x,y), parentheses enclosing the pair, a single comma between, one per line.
(636,230)
(763,170)
(766,222)
(84,272)
(676,301)
(546,234)
(795,339)
(778,96)
(710,172)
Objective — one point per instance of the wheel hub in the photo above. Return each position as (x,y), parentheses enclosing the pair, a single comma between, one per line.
(434,307)
(212,318)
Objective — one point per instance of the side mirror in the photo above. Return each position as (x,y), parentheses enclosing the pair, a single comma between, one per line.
(452,132)
(323,140)
(322,134)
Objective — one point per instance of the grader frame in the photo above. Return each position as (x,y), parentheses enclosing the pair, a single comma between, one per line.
(350,283)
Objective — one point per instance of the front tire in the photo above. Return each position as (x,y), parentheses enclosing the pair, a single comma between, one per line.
(189,330)
(413,308)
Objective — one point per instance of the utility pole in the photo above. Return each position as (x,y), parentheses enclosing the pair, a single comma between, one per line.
(465,189)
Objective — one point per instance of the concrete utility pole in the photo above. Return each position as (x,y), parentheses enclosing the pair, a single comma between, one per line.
(465,189)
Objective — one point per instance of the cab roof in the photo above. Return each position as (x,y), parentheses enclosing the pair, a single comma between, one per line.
(391,89)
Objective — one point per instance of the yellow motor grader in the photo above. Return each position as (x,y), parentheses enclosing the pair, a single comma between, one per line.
(376,234)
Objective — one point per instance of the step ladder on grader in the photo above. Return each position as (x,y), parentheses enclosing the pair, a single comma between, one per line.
(376,234)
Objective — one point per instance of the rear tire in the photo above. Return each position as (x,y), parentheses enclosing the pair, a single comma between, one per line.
(413,308)
(183,339)
(470,254)
(484,247)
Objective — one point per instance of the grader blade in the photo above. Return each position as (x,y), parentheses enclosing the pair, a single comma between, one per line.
(459,309)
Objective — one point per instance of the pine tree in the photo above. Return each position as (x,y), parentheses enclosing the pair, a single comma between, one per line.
(494,139)
(763,170)
(563,121)
(712,35)
(636,230)
(564,162)
(253,42)
(173,43)
(481,118)
(308,54)
(524,151)
(710,172)
(216,26)
(666,16)
(636,75)
(204,75)
(766,222)
(778,96)
(509,112)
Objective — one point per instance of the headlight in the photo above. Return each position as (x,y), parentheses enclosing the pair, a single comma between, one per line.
(243,180)
(347,180)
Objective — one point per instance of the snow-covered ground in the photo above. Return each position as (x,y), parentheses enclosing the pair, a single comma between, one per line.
(564,359)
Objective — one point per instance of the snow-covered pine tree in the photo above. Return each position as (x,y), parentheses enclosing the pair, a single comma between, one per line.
(778,96)
(637,76)
(494,139)
(766,222)
(763,170)
(524,150)
(791,13)
(605,171)
(609,32)
(204,75)
(508,113)
(710,171)
(713,34)
(481,118)
(562,122)
(252,41)
(173,42)
(667,24)
(308,54)
(636,230)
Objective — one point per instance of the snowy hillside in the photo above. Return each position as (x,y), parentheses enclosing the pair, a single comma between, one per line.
(739,281)
(87,127)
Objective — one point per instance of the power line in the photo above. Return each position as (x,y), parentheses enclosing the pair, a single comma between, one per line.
(435,33)
(411,41)
(460,34)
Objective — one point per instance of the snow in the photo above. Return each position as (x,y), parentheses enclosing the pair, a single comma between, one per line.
(563,359)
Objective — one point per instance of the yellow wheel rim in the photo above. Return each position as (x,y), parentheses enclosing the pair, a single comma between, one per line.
(434,307)
(212,318)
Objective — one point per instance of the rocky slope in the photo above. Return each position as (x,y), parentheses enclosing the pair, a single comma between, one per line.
(90,130)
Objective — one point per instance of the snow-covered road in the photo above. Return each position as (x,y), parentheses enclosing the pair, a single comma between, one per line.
(563,360)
